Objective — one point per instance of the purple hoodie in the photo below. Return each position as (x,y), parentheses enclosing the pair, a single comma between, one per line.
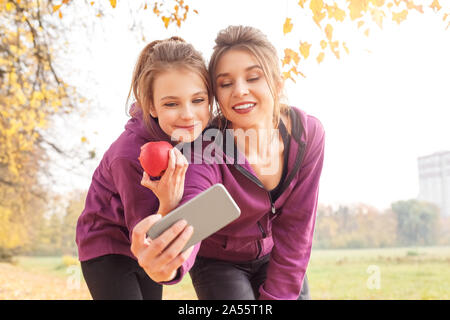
(116,201)
(284,228)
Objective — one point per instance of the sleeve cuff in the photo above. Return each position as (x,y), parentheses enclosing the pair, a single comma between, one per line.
(184,268)
(264,295)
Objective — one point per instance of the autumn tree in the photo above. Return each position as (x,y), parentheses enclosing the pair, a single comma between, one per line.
(354,226)
(31,93)
(417,222)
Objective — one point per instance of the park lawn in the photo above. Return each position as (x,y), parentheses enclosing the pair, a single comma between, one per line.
(403,273)
(52,270)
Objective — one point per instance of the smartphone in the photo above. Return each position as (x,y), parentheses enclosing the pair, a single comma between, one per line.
(208,212)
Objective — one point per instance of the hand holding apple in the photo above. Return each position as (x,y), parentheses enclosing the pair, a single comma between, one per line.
(169,189)
(154,157)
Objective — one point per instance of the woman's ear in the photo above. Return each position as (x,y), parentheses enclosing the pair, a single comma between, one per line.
(152,111)
(280,87)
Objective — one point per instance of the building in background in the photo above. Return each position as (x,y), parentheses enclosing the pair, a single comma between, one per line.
(434,180)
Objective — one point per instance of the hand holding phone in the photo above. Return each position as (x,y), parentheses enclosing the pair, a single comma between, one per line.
(207,213)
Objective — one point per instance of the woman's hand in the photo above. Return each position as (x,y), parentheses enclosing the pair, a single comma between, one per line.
(161,257)
(169,189)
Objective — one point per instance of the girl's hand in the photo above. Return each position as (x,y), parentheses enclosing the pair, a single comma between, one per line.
(169,189)
(161,257)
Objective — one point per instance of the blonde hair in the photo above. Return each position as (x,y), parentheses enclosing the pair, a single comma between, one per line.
(256,43)
(156,58)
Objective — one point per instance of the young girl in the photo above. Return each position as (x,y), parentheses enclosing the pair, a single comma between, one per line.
(265,252)
(172,91)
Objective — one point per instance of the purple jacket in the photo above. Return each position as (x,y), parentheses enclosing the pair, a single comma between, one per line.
(116,201)
(284,228)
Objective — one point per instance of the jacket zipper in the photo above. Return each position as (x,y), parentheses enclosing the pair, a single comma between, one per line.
(288,180)
(272,205)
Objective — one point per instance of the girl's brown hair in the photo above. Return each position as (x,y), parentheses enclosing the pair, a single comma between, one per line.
(256,43)
(157,57)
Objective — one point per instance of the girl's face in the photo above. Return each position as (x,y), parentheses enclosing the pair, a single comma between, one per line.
(242,91)
(180,102)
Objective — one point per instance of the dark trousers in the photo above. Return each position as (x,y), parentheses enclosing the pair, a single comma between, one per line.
(118,277)
(222,280)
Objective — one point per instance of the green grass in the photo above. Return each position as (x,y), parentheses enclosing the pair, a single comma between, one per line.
(404,273)
(48,265)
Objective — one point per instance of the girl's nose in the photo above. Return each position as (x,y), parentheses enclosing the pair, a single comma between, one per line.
(187,112)
(240,89)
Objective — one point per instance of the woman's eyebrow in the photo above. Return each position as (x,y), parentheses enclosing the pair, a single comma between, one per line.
(225,74)
(168,98)
(175,97)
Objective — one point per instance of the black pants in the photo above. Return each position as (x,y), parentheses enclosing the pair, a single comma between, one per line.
(118,277)
(221,280)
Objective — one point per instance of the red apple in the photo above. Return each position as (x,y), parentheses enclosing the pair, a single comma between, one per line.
(154,157)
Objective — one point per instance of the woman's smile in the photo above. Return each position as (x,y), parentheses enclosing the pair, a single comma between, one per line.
(244,107)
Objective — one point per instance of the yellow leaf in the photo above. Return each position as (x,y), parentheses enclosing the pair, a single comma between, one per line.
(301,3)
(334,45)
(156,10)
(83,139)
(60,14)
(377,16)
(287,75)
(320,57)
(92,3)
(345,47)
(316,7)
(329,31)
(145,7)
(360,23)
(335,12)
(287,27)
(412,5)
(366,33)
(378,3)
(323,44)
(399,16)
(356,7)
(9,6)
(289,55)
(196,11)
(56,8)
(166,21)
(113,3)
(304,49)
(435,5)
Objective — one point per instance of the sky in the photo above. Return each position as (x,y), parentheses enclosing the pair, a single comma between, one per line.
(382,106)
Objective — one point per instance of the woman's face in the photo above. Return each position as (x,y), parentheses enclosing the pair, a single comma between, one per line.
(180,101)
(242,91)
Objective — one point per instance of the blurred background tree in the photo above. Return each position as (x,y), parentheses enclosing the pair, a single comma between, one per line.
(417,222)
